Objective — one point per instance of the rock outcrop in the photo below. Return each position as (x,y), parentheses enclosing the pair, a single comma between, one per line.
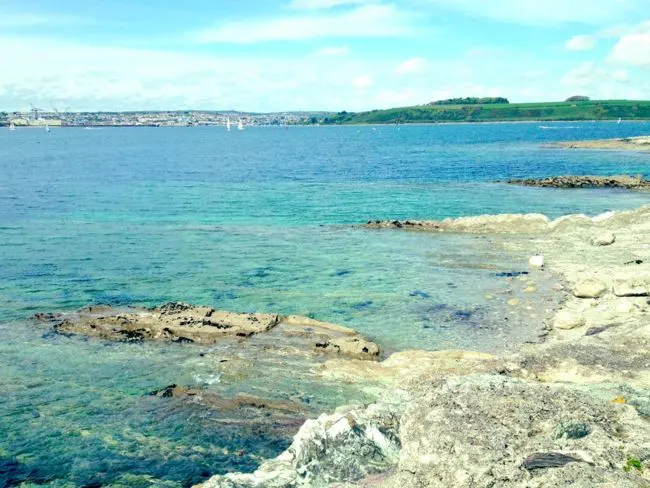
(182,323)
(617,181)
(569,412)
(641,143)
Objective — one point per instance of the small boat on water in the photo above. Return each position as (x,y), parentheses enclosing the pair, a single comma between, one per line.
(12,127)
(47,128)
(228,124)
(240,125)
(619,120)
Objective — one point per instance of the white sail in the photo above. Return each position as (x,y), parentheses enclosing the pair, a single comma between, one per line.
(240,125)
(619,120)
(12,127)
(47,128)
(228,124)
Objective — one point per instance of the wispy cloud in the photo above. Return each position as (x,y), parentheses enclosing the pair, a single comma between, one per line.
(325,4)
(580,43)
(411,66)
(547,12)
(364,21)
(333,51)
(10,20)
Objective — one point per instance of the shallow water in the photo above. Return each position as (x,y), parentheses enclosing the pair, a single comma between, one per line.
(256,220)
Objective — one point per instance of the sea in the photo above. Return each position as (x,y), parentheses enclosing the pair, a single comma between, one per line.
(268,220)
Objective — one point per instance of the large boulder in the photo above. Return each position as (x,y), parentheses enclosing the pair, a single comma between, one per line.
(606,239)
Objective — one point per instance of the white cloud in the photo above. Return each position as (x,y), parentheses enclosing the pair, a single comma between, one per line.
(364,21)
(633,49)
(333,51)
(324,4)
(580,43)
(411,66)
(362,82)
(536,12)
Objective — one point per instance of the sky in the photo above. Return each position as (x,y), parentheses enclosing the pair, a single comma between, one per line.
(333,55)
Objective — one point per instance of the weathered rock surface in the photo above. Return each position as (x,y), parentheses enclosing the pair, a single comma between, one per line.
(487,431)
(182,323)
(604,239)
(345,446)
(634,287)
(590,288)
(618,181)
(565,319)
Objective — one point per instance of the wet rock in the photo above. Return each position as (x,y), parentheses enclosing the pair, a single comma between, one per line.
(572,430)
(352,347)
(541,460)
(604,239)
(631,288)
(590,288)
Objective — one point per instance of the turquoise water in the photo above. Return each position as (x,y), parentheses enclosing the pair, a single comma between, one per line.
(254,220)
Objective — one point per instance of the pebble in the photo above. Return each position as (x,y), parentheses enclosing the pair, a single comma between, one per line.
(513,302)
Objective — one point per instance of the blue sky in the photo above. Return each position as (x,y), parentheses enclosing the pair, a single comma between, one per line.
(274,55)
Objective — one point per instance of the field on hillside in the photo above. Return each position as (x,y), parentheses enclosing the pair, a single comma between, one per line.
(589,110)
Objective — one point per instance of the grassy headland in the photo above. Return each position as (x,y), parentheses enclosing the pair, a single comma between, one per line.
(496,112)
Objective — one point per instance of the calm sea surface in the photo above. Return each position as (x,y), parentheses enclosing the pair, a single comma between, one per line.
(249,221)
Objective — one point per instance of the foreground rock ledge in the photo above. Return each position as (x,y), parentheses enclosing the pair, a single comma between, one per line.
(571,412)
(183,323)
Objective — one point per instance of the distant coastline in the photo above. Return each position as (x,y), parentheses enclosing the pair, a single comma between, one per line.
(433,113)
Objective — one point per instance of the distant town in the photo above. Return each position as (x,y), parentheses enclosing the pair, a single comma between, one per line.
(42,118)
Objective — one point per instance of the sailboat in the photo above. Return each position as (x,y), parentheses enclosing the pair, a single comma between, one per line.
(619,120)
(47,128)
(12,127)
(240,125)
(228,124)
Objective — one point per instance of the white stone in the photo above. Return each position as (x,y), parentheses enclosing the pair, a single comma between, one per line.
(589,288)
(536,261)
(603,240)
(565,319)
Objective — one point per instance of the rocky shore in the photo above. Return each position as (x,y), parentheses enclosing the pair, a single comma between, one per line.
(572,411)
(618,181)
(183,323)
(627,143)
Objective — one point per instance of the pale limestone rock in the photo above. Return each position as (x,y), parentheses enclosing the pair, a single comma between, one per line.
(565,319)
(536,261)
(603,239)
(634,287)
(590,288)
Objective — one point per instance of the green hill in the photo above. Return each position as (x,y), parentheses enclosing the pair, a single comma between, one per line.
(491,112)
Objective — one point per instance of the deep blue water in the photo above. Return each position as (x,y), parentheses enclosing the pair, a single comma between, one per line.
(252,220)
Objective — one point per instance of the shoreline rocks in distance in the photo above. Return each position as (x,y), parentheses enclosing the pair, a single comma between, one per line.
(183,323)
(626,182)
(641,143)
